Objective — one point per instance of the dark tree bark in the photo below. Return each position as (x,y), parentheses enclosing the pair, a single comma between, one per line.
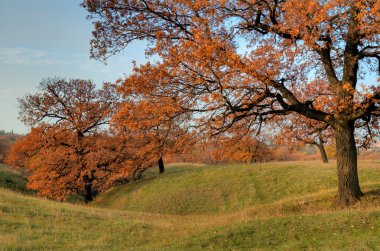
(323,153)
(161,166)
(319,144)
(88,188)
(348,182)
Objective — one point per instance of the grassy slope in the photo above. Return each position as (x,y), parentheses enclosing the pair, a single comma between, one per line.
(229,188)
(285,206)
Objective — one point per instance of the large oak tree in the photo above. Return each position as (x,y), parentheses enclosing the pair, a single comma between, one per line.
(249,61)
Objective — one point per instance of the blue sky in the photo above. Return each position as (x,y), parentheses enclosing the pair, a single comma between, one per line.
(51,38)
(48,38)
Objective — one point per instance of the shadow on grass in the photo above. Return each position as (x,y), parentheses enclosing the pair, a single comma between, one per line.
(10,179)
(373,192)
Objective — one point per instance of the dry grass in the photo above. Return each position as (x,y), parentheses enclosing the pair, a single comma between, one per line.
(283,206)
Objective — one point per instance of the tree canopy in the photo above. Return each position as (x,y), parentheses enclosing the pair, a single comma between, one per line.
(234,62)
(71,149)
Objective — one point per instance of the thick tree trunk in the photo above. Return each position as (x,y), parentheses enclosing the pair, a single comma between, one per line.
(323,153)
(161,166)
(348,182)
(88,192)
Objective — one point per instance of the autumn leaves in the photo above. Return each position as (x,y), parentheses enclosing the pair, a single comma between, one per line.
(73,148)
(234,63)
(224,67)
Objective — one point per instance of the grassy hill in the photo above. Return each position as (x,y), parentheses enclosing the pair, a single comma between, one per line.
(283,206)
(195,189)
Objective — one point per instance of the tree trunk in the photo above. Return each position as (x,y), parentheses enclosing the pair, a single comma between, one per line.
(348,182)
(323,153)
(89,195)
(88,190)
(161,166)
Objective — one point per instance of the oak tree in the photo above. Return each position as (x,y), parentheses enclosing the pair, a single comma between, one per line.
(70,148)
(298,131)
(158,130)
(248,149)
(231,61)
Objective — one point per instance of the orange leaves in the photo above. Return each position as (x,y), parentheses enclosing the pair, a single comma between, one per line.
(151,113)
(348,88)
(156,129)
(295,131)
(235,149)
(70,140)
(227,62)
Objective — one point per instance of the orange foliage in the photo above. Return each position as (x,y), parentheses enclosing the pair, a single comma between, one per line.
(231,62)
(241,149)
(157,126)
(6,141)
(296,131)
(285,67)
(24,149)
(70,150)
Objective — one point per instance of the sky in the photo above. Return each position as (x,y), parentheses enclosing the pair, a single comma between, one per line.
(49,38)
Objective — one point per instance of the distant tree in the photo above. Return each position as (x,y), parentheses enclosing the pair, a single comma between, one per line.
(297,130)
(23,150)
(4,147)
(6,141)
(159,130)
(228,61)
(248,149)
(331,149)
(69,149)
(3,150)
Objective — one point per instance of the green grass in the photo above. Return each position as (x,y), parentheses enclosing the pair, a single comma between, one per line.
(281,206)
(347,230)
(186,190)
(13,180)
(229,188)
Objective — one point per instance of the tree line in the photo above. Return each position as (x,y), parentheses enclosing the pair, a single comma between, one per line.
(85,139)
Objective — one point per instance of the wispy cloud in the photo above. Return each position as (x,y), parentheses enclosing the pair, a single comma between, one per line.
(28,56)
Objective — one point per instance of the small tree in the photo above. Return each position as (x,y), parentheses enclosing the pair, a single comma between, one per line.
(297,130)
(157,127)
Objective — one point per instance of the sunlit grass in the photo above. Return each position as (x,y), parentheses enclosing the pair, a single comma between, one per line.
(281,206)
(230,188)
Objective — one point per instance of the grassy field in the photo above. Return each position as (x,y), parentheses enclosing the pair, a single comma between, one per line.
(282,206)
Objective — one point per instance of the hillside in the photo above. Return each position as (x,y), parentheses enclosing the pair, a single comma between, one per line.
(191,189)
(283,206)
